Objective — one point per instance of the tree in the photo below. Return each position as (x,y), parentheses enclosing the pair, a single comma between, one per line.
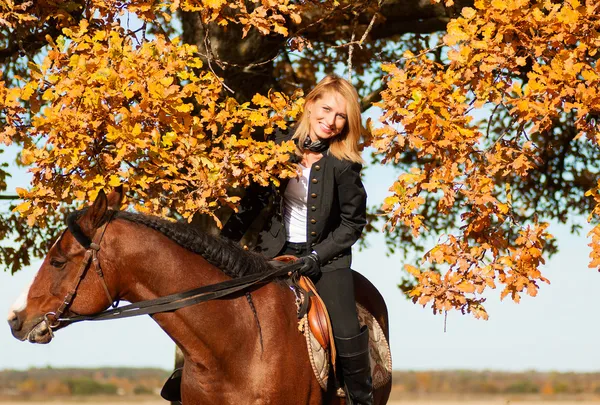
(183,121)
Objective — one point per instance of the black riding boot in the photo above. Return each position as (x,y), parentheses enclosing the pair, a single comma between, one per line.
(171,391)
(354,362)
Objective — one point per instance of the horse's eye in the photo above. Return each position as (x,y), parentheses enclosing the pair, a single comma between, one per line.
(57,263)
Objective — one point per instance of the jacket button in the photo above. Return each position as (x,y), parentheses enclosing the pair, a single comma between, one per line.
(313,221)
(317,167)
(313,208)
(313,233)
(315,181)
(314,195)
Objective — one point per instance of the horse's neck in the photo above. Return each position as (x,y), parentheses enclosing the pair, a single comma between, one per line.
(217,337)
(159,267)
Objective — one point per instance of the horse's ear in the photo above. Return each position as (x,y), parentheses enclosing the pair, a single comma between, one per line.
(94,214)
(115,198)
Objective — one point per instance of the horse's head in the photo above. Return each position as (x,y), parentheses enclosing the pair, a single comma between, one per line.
(66,281)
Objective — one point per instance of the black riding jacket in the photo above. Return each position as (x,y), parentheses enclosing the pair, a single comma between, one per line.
(336,212)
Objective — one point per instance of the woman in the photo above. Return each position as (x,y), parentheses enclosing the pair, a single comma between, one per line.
(320,215)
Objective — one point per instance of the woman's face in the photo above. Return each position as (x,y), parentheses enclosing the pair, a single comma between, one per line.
(327,116)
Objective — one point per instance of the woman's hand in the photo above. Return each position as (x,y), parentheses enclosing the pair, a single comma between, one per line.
(311,265)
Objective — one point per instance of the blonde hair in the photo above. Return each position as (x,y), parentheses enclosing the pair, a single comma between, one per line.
(345,144)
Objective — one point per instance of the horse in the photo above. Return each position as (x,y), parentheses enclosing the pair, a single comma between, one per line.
(244,348)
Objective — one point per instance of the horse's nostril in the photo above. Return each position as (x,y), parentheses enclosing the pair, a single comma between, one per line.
(14,322)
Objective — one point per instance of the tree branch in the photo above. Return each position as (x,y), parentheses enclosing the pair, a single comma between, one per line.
(397,17)
(29,44)
(371,98)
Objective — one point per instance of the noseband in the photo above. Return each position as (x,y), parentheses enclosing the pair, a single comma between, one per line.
(52,319)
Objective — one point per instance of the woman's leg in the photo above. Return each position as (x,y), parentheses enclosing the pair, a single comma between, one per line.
(336,288)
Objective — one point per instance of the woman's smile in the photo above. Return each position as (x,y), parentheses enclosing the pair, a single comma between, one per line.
(328,116)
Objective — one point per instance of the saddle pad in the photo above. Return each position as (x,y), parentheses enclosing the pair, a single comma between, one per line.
(379,349)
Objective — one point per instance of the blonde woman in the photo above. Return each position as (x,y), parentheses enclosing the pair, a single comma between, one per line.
(320,215)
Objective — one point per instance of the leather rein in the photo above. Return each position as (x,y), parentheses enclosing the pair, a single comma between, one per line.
(162,304)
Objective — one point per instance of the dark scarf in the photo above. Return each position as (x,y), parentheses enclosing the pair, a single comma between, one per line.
(318,146)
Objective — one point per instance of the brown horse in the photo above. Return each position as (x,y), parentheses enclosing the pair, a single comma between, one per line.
(236,350)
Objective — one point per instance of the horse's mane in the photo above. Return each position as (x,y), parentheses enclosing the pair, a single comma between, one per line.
(227,255)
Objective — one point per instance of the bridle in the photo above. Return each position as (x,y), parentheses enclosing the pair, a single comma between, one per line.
(166,303)
(53,319)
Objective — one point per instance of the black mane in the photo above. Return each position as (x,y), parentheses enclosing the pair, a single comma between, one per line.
(227,255)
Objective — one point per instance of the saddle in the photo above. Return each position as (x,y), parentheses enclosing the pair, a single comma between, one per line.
(314,307)
(315,324)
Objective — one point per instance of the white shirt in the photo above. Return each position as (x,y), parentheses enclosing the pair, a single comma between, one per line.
(295,207)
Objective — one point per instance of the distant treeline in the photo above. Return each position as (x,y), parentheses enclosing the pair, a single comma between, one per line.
(56,382)
(465,382)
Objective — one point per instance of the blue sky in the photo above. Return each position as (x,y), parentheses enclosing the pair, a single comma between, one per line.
(554,331)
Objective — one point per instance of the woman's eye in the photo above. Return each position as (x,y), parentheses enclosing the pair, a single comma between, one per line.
(326,108)
(57,263)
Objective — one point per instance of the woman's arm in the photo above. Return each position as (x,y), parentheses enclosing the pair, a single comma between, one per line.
(353,211)
(256,198)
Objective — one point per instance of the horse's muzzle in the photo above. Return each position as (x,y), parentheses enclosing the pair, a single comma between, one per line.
(14,322)
(34,331)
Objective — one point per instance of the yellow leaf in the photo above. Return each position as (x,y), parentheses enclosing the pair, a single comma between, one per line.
(503,208)
(589,75)
(469,12)
(466,287)
(27,157)
(99,36)
(258,119)
(137,129)
(114,181)
(166,81)
(184,108)
(21,192)
(206,162)
(168,138)
(499,4)
(390,201)
(280,29)
(22,207)
(412,270)
(48,95)
(260,100)
(27,92)
(213,3)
